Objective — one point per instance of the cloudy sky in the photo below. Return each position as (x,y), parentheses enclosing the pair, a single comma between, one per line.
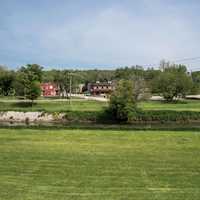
(98,33)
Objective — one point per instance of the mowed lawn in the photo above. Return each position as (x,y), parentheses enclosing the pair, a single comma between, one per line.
(90,105)
(99,164)
(53,106)
(186,105)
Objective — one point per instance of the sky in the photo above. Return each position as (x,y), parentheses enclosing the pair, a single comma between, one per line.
(103,34)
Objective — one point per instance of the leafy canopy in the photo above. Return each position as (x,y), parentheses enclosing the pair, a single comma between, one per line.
(122,102)
(28,81)
(174,82)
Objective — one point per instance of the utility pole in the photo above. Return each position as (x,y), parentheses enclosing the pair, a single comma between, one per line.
(70,87)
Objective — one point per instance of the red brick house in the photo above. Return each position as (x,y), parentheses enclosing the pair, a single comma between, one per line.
(50,90)
(100,88)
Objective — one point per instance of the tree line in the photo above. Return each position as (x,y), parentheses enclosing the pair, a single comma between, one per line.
(170,81)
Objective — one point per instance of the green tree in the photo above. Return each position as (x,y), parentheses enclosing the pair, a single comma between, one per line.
(129,72)
(196,80)
(28,81)
(19,84)
(32,72)
(6,82)
(122,103)
(33,91)
(174,82)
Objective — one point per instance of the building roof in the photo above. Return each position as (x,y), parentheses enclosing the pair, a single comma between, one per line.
(50,84)
(101,84)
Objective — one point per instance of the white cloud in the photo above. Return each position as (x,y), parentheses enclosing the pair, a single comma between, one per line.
(116,35)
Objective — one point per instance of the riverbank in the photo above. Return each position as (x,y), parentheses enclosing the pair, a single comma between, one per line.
(99,119)
(86,111)
(13,116)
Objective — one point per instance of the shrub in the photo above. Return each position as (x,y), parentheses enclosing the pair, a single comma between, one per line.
(122,104)
(167,116)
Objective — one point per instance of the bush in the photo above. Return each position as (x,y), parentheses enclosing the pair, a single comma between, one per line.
(80,116)
(122,104)
(167,116)
(33,91)
(136,116)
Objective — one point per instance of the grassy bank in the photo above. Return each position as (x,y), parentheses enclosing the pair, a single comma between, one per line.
(99,164)
(93,111)
(185,105)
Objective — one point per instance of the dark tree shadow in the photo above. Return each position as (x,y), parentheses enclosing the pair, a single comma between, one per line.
(174,102)
(24,104)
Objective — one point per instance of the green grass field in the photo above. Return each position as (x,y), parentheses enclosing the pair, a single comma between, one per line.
(99,164)
(54,106)
(85,105)
(186,105)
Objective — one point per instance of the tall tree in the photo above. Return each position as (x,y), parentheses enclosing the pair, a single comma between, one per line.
(6,81)
(33,91)
(32,72)
(28,79)
(174,82)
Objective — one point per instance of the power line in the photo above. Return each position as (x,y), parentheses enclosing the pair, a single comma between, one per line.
(179,61)
(187,59)
(195,70)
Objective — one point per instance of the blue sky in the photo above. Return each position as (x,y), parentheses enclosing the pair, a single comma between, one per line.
(98,33)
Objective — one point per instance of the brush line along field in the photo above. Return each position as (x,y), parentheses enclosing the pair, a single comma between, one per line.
(99,164)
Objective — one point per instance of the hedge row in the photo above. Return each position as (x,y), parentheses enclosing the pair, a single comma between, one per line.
(167,116)
(80,116)
(140,116)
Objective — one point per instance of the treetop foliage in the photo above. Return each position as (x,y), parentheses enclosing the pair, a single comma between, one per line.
(169,81)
